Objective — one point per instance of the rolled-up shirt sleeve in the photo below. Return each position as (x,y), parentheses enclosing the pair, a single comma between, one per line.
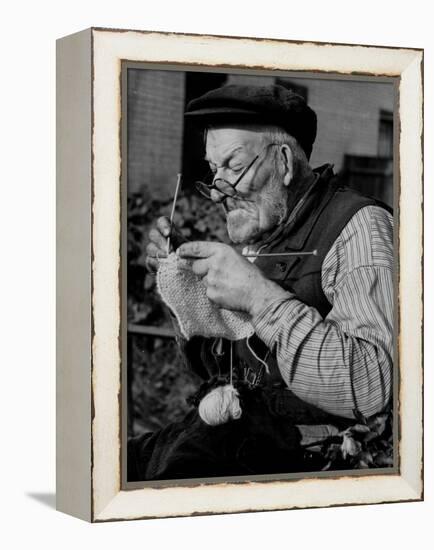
(341,362)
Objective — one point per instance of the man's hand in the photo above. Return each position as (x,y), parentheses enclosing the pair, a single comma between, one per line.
(231,281)
(157,247)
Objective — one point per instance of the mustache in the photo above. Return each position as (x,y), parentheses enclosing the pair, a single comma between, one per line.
(233,203)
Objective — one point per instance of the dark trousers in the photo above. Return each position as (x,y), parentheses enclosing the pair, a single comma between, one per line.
(262,441)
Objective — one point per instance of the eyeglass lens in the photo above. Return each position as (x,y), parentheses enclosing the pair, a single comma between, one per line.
(224,187)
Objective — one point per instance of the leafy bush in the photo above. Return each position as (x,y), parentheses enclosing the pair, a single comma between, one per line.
(161,384)
(366,444)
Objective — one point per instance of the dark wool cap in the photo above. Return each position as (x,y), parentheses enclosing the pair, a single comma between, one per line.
(257,104)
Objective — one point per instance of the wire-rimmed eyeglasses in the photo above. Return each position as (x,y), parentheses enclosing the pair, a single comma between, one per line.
(225,188)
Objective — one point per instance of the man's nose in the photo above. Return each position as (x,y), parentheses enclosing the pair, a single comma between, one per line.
(216,196)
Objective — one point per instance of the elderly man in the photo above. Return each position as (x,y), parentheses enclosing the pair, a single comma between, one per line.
(323,322)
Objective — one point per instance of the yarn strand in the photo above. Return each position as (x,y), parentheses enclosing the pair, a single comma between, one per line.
(231,364)
(256,356)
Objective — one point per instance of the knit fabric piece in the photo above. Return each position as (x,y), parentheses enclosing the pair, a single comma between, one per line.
(185,294)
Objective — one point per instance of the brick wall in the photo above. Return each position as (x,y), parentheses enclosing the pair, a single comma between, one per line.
(155,130)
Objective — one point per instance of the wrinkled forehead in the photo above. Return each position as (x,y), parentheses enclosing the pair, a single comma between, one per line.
(220,140)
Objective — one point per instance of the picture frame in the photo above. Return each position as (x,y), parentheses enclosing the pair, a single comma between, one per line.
(90,340)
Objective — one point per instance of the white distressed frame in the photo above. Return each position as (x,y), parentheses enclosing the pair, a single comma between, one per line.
(107,500)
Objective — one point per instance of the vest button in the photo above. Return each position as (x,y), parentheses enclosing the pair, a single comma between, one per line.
(281,266)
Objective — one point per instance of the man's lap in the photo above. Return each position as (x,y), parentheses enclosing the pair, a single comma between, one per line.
(260,442)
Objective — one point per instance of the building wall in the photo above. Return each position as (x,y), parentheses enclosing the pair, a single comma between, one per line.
(348,123)
(252,80)
(348,117)
(155,130)
(348,114)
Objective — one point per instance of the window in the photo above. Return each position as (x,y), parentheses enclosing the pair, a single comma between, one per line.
(385,134)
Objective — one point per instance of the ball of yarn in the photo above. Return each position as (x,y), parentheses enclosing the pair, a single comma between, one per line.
(220,405)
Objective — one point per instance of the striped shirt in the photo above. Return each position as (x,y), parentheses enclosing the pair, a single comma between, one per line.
(344,361)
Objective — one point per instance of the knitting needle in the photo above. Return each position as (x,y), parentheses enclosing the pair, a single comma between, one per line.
(273,254)
(264,255)
(172,214)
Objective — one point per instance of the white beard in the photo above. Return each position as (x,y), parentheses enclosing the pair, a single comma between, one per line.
(242,226)
(246,225)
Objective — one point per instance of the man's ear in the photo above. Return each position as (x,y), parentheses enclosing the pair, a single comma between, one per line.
(288,161)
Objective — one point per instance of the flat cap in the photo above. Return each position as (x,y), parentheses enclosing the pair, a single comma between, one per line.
(274,105)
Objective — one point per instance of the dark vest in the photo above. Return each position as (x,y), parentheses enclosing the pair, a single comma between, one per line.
(324,213)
